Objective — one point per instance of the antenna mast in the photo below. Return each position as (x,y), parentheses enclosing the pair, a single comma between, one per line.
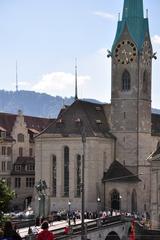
(76,95)
(16,78)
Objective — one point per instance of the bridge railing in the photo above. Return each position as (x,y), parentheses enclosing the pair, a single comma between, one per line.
(89,226)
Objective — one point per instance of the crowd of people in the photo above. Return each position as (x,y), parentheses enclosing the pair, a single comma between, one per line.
(10,231)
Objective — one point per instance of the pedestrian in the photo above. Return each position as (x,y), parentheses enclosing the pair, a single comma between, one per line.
(30,230)
(66,230)
(74,219)
(45,234)
(9,232)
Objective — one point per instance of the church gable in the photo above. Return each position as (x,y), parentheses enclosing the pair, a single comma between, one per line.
(119,173)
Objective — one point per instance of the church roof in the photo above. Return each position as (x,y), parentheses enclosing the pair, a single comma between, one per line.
(81,113)
(135,22)
(119,173)
(155,127)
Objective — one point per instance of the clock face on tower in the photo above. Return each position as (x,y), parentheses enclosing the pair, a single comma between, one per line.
(125,52)
(146,52)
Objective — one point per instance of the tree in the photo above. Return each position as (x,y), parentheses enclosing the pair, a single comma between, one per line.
(6,194)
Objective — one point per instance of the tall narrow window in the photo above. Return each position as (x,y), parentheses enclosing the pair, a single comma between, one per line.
(145,82)
(30,152)
(3,150)
(20,152)
(17,182)
(66,171)
(3,166)
(126,81)
(134,201)
(54,175)
(78,182)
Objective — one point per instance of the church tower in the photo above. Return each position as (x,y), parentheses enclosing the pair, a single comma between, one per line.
(131,86)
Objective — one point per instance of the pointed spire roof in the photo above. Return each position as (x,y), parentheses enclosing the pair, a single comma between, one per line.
(133,19)
(132,8)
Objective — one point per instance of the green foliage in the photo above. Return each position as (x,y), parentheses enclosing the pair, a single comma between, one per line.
(5,196)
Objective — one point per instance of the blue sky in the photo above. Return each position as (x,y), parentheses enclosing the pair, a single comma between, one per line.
(45,36)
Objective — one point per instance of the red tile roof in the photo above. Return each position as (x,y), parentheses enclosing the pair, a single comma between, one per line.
(7,121)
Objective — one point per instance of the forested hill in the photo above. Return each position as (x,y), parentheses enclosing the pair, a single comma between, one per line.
(32,103)
(36,104)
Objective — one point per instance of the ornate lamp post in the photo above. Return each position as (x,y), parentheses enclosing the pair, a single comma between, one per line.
(83,134)
(69,211)
(41,187)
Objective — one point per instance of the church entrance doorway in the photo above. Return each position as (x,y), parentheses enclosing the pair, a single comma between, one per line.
(115,200)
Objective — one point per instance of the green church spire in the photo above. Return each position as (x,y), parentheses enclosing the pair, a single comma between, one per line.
(135,22)
(133,9)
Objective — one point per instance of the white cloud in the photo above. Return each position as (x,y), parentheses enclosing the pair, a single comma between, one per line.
(23,84)
(59,83)
(105,15)
(102,51)
(156,39)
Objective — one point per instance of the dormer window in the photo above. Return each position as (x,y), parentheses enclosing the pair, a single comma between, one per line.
(60,120)
(98,108)
(17,168)
(78,120)
(2,132)
(98,121)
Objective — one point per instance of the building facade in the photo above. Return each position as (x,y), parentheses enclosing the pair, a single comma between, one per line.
(119,136)
(17,154)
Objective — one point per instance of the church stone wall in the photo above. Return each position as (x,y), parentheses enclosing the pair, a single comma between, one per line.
(98,155)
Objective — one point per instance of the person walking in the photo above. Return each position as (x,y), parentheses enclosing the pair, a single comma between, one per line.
(9,232)
(45,234)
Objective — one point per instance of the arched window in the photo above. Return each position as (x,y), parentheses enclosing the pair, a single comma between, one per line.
(126,81)
(20,137)
(145,82)
(78,175)
(54,175)
(115,200)
(134,201)
(66,171)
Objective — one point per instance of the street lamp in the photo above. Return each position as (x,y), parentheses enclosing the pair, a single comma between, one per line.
(69,209)
(98,205)
(83,135)
(120,198)
(41,187)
